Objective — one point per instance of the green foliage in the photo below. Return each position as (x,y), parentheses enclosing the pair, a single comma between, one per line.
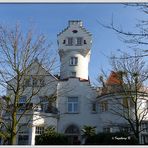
(5,136)
(118,138)
(88,131)
(50,137)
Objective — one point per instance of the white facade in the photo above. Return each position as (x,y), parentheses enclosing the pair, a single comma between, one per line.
(76,98)
(83,115)
(74,42)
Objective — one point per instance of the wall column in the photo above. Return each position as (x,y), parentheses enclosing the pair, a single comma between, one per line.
(32,135)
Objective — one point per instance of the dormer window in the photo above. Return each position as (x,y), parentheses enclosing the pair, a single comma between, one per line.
(74,61)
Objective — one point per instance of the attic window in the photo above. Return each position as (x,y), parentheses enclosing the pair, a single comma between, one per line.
(74,31)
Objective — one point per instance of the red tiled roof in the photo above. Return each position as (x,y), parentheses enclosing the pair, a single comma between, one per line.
(114,78)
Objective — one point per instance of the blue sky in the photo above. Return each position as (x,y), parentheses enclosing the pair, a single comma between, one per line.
(50,19)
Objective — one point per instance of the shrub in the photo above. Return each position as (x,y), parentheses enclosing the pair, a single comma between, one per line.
(50,137)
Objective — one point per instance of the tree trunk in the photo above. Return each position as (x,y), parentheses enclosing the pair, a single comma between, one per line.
(13,133)
(137,137)
(13,139)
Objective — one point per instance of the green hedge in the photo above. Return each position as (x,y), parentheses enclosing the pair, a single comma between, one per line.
(111,139)
(53,139)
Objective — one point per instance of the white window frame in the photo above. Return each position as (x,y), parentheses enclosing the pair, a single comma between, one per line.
(39,130)
(23,129)
(73,61)
(79,41)
(26,140)
(70,41)
(44,103)
(104,106)
(73,105)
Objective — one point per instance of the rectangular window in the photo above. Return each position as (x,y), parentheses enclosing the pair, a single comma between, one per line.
(94,107)
(44,107)
(125,103)
(70,41)
(104,106)
(34,82)
(23,139)
(125,129)
(106,130)
(79,41)
(73,74)
(23,128)
(44,103)
(73,105)
(22,99)
(23,105)
(27,82)
(43,99)
(146,104)
(42,82)
(144,127)
(85,42)
(39,130)
(74,61)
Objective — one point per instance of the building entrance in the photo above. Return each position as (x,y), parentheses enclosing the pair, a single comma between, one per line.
(73,134)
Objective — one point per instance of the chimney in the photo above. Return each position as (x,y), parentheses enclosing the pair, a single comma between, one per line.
(75,23)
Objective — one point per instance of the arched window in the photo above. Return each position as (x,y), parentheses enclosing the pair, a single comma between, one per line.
(72,129)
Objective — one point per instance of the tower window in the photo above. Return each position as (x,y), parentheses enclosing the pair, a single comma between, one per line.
(64,41)
(73,74)
(85,42)
(75,31)
(79,41)
(73,61)
(70,41)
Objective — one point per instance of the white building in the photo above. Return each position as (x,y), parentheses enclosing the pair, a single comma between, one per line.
(75,104)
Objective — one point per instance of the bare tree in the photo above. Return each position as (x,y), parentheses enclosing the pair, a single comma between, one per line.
(20,54)
(130,91)
(134,39)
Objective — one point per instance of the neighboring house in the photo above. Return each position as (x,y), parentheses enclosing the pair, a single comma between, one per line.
(44,85)
(115,105)
(75,104)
